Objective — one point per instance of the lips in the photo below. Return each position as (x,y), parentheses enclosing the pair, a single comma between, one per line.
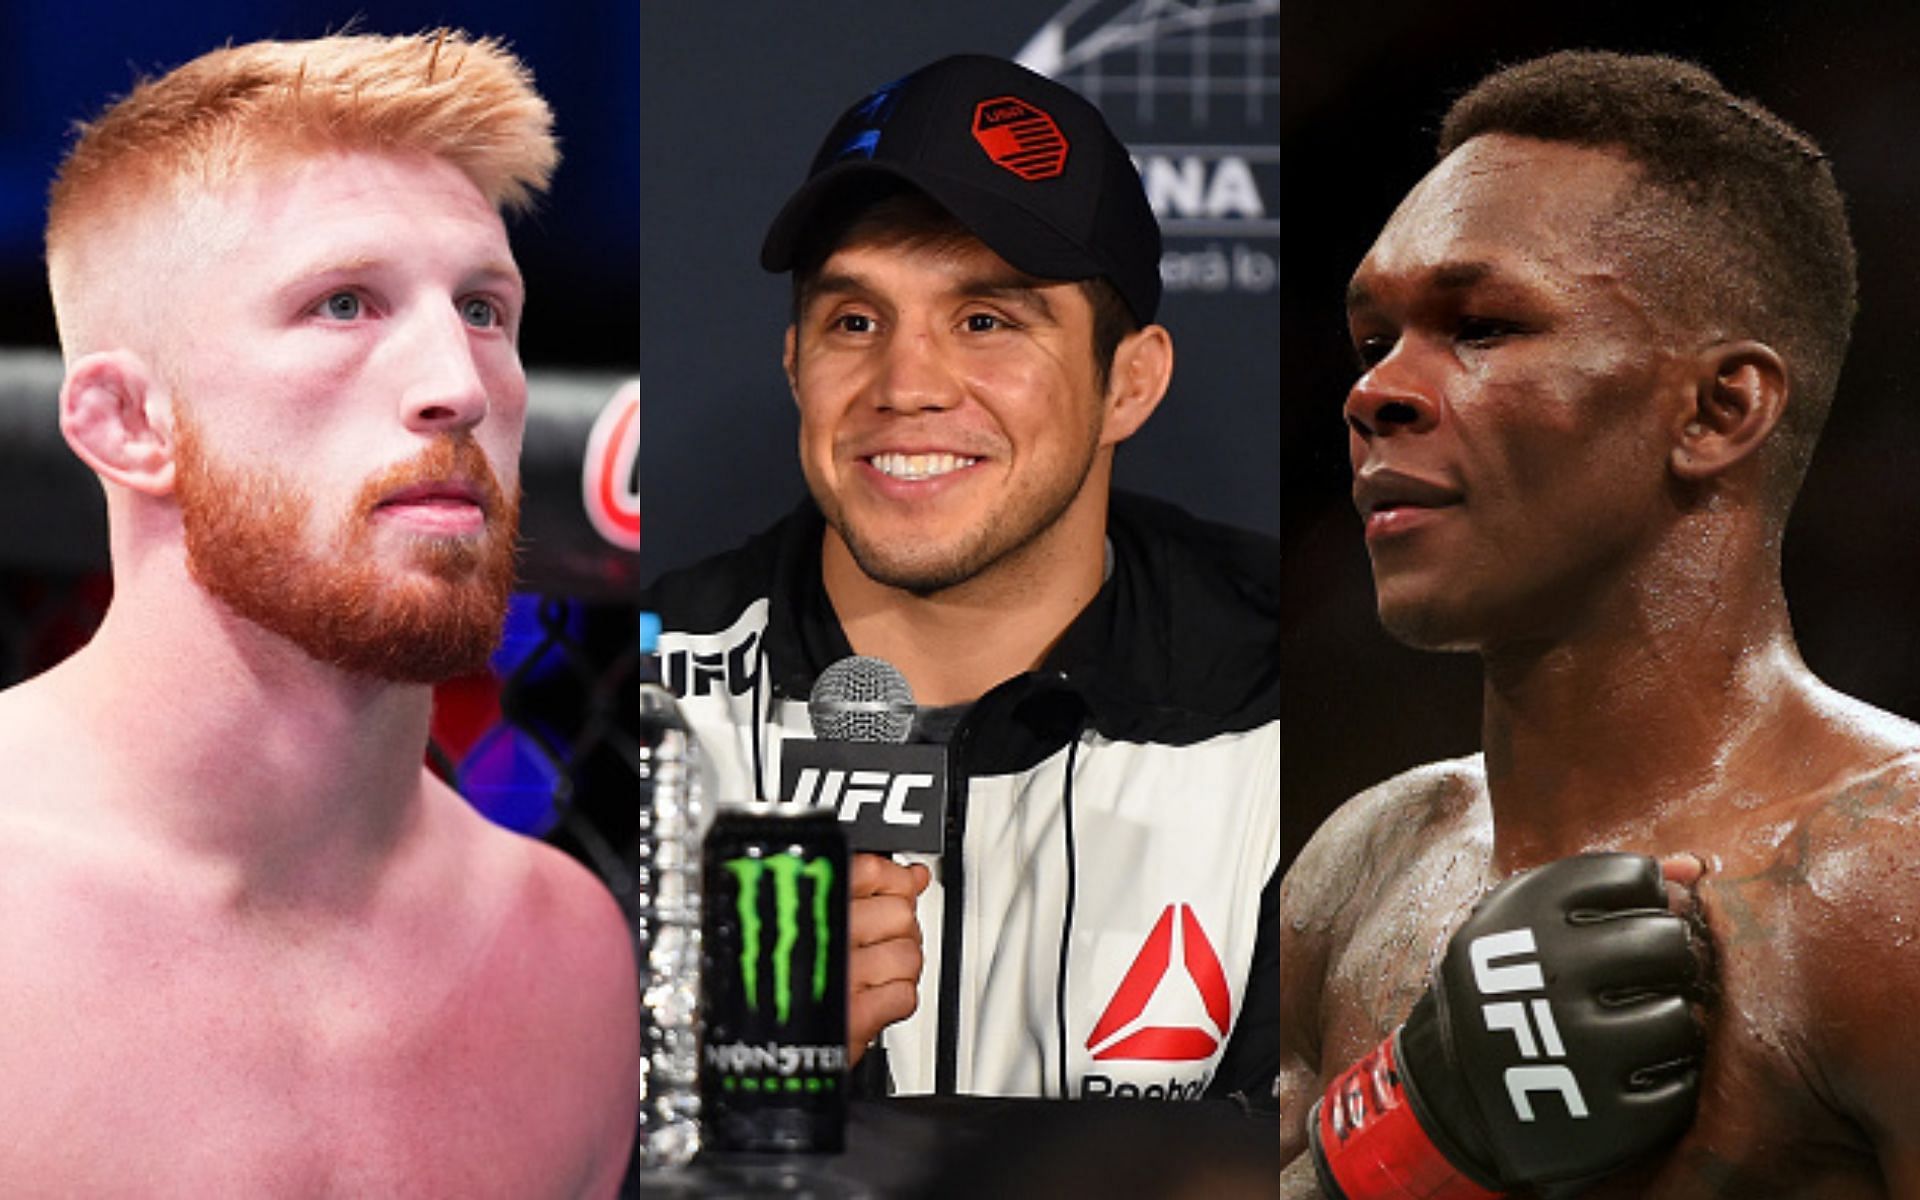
(438,508)
(437,493)
(1392,501)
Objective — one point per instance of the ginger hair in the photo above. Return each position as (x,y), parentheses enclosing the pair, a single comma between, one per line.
(440,94)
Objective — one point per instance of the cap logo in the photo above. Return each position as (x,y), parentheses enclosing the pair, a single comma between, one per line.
(1021,137)
(870,114)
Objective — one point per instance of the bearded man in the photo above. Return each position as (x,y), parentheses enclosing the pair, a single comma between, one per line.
(257,948)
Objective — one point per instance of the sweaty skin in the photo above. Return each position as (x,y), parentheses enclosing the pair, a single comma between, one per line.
(1801,1094)
(1555,475)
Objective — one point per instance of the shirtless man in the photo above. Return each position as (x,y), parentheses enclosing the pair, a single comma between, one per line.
(1598,341)
(254,948)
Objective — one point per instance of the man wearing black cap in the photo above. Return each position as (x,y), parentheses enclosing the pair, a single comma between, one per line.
(975,277)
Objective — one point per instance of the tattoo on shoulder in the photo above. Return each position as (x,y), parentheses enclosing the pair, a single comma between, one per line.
(1748,901)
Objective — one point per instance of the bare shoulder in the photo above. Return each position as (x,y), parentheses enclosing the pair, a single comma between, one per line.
(559,980)
(1375,835)
(1814,904)
(557,913)
(52,769)
(1353,879)
(37,738)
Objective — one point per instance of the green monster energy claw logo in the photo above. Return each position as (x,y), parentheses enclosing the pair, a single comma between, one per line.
(787,870)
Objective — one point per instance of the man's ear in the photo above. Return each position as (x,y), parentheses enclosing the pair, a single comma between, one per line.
(1739,395)
(119,419)
(790,362)
(1142,368)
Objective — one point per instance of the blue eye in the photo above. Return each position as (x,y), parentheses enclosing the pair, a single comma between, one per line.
(480,312)
(342,306)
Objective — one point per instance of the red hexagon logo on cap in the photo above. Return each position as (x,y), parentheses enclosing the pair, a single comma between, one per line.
(1020,136)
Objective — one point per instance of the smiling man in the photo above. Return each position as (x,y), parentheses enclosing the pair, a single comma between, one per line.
(256,948)
(975,276)
(1597,343)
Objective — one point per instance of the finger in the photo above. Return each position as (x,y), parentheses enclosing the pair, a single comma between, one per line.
(1587,887)
(1683,869)
(881,918)
(874,874)
(884,963)
(873,1009)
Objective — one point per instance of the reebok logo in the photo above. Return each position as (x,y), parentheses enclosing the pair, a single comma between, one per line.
(1125,1030)
(1020,137)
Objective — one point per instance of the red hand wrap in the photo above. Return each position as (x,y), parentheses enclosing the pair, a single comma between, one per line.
(1372,1143)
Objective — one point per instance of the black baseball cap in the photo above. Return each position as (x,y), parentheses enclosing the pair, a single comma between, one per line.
(1026,164)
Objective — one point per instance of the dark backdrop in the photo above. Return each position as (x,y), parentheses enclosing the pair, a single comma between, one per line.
(1363,88)
(736,97)
(62,60)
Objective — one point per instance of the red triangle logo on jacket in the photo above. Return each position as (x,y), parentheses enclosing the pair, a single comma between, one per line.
(1120,1035)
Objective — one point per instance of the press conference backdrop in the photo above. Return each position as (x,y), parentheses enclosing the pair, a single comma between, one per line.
(735,97)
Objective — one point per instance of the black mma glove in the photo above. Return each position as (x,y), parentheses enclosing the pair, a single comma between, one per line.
(1554,1044)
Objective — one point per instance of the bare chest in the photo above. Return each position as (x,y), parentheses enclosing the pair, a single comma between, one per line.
(142,1056)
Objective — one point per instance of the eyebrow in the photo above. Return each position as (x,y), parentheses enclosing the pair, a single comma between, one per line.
(1019,289)
(493,272)
(1448,277)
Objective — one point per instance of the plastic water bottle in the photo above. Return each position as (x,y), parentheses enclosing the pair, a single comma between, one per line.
(673,822)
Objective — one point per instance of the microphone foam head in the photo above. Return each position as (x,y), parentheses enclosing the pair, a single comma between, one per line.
(861,699)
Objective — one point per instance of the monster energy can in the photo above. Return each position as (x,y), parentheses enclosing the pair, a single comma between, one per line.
(773,1063)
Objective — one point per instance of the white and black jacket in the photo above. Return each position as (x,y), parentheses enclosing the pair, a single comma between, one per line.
(1105,917)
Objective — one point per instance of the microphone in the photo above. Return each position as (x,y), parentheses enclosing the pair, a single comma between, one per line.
(861,699)
(889,795)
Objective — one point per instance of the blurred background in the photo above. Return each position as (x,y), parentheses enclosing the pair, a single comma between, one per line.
(1363,87)
(61,62)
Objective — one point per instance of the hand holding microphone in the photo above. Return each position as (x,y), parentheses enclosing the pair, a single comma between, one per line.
(883,936)
(890,796)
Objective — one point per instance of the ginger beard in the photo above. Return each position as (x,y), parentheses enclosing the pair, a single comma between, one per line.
(248,544)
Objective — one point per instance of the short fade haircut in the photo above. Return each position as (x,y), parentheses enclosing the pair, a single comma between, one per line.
(889,212)
(1750,228)
(441,94)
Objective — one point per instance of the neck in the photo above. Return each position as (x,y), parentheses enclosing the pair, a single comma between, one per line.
(956,644)
(1677,697)
(228,746)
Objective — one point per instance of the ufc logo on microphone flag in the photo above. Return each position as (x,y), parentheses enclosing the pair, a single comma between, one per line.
(889,797)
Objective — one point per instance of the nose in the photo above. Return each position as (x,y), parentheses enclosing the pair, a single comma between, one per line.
(1392,397)
(443,390)
(916,374)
